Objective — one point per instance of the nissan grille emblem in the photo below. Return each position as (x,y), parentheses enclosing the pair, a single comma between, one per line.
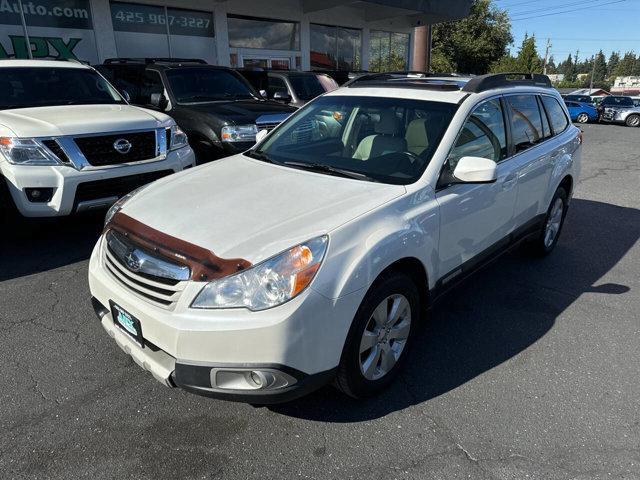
(132,261)
(122,146)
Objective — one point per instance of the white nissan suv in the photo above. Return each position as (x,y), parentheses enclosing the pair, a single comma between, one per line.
(313,256)
(70,143)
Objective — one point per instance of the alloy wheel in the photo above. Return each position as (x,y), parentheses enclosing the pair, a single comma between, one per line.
(552,227)
(633,121)
(385,337)
(583,118)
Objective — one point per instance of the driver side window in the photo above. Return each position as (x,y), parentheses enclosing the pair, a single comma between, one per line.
(482,135)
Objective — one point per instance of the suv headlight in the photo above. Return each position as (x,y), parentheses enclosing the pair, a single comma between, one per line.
(239,133)
(179,139)
(117,206)
(26,151)
(269,283)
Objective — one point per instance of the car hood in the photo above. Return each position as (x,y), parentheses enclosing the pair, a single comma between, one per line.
(244,111)
(79,120)
(239,207)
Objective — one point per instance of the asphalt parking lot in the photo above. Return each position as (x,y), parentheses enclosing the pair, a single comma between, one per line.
(529,370)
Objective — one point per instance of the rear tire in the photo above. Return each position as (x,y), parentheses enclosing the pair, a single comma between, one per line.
(8,211)
(633,121)
(583,118)
(548,237)
(380,335)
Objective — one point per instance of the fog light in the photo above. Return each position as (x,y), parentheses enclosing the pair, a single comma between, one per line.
(39,195)
(239,379)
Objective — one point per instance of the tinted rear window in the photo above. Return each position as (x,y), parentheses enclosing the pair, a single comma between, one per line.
(526,121)
(556,115)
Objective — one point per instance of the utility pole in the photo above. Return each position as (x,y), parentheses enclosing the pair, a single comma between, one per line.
(546,56)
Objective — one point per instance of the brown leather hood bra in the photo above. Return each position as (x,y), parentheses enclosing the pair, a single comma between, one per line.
(204,264)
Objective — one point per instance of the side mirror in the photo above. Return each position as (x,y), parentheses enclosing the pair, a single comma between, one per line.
(476,170)
(261,135)
(263,93)
(125,95)
(158,101)
(281,96)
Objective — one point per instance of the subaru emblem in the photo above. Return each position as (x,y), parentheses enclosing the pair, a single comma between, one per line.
(122,145)
(132,261)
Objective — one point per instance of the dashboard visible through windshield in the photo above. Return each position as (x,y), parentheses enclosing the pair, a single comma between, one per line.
(378,139)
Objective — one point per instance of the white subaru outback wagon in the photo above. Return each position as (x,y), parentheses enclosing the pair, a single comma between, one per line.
(311,257)
(70,143)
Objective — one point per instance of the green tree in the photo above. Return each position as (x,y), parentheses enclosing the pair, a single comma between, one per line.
(528,58)
(627,65)
(472,44)
(612,64)
(599,68)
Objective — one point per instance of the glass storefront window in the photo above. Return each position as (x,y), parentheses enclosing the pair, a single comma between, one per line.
(335,48)
(250,32)
(389,51)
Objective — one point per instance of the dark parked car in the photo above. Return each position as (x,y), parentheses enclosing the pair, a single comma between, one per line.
(290,87)
(217,108)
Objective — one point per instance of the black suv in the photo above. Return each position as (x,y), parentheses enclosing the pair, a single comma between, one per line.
(217,108)
(289,86)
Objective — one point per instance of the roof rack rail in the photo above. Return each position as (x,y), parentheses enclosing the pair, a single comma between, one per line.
(398,76)
(490,81)
(148,61)
(407,83)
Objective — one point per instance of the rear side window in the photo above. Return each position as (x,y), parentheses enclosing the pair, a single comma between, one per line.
(525,120)
(556,114)
(546,128)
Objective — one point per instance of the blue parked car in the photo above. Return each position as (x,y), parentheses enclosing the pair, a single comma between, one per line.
(582,112)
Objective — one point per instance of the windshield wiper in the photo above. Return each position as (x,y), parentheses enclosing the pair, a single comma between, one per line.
(259,156)
(322,168)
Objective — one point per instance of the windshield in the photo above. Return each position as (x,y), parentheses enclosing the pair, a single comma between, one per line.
(193,85)
(387,140)
(24,87)
(307,87)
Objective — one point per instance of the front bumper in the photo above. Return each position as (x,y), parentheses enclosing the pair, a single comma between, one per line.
(302,339)
(66,182)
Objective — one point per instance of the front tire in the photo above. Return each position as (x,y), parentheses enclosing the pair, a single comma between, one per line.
(546,241)
(380,336)
(633,121)
(583,118)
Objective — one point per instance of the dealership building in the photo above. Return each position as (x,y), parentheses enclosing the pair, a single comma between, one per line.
(278,34)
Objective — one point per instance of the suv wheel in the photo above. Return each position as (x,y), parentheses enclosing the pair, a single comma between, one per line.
(380,335)
(583,118)
(546,241)
(633,121)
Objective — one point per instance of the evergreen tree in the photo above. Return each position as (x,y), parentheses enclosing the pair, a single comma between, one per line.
(612,64)
(528,58)
(599,68)
(627,65)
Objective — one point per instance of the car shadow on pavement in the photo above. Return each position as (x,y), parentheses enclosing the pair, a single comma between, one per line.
(495,315)
(29,246)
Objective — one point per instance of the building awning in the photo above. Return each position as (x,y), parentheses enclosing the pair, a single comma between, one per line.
(404,13)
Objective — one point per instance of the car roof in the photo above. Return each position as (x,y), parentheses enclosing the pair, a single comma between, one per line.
(450,96)
(42,63)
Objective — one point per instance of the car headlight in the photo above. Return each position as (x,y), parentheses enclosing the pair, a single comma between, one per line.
(239,133)
(26,151)
(179,139)
(269,283)
(117,206)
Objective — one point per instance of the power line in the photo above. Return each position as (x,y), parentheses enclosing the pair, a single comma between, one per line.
(559,13)
(555,7)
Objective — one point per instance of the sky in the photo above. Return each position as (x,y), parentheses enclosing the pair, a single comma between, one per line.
(570,25)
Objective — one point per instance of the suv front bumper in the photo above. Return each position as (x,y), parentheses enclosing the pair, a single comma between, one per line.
(213,352)
(67,183)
